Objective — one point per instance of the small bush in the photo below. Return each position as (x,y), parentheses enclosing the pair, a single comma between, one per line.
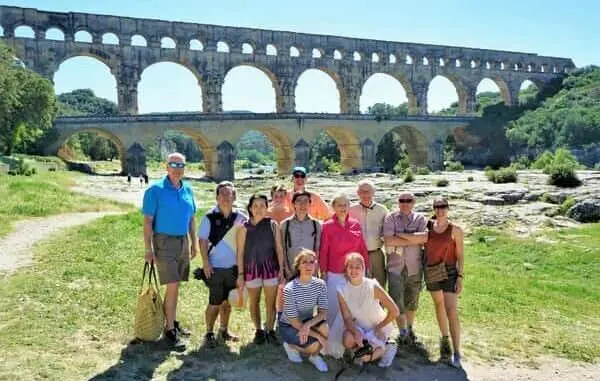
(543,160)
(566,205)
(408,176)
(401,166)
(470,178)
(563,176)
(331,166)
(442,183)
(52,169)
(454,166)
(423,171)
(502,175)
(522,162)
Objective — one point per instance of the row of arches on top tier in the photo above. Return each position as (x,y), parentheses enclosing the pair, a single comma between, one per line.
(248,88)
(250,47)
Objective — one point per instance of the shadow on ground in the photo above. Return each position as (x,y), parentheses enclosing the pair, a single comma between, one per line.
(137,362)
(268,363)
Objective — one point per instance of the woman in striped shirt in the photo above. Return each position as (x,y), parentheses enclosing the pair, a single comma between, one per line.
(302,331)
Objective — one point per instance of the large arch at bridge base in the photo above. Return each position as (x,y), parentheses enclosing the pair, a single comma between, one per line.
(131,161)
(417,146)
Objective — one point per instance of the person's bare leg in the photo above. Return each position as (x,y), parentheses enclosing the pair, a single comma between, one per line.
(254,306)
(170,304)
(451,302)
(348,340)
(401,321)
(210,316)
(440,311)
(224,313)
(270,301)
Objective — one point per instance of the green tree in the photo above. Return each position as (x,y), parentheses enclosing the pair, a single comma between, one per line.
(27,104)
(323,153)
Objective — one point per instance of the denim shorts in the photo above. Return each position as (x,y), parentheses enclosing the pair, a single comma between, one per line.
(289,334)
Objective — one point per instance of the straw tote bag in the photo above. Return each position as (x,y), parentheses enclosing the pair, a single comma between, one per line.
(149,314)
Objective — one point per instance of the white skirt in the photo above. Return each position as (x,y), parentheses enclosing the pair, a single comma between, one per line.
(335,346)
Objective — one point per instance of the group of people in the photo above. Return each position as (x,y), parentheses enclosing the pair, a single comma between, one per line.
(336,278)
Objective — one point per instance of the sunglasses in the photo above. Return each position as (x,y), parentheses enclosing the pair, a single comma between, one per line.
(405,200)
(299,175)
(440,206)
(176,164)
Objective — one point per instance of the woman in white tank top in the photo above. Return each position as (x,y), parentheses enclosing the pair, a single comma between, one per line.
(363,304)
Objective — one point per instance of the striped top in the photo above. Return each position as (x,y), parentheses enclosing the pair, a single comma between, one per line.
(300,299)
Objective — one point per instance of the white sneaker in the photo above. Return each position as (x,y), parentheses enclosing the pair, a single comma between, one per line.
(388,355)
(319,363)
(292,354)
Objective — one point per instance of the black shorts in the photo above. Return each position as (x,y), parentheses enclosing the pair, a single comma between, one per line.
(449,285)
(220,284)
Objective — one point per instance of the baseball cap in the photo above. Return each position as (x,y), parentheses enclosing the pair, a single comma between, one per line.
(299,169)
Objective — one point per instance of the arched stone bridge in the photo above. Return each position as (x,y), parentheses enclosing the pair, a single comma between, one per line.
(357,136)
(210,51)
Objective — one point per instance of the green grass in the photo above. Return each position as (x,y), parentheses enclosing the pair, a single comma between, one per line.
(42,195)
(71,315)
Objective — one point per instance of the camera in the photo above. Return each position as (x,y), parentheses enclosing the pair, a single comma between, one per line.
(366,349)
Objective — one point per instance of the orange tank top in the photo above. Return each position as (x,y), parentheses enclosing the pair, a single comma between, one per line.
(440,244)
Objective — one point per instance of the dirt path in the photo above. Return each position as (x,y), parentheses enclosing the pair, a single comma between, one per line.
(16,248)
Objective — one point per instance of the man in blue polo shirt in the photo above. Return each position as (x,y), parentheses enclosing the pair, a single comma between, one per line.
(169,231)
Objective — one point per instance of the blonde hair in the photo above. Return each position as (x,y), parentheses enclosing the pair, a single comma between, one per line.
(300,257)
(277,188)
(340,196)
(352,257)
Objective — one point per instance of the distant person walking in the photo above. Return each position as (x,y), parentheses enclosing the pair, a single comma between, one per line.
(446,245)
(370,215)
(170,237)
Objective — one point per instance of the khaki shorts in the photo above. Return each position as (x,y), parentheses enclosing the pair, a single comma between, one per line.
(172,257)
(260,282)
(405,290)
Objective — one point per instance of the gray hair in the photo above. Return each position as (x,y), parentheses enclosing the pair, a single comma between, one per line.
(176,155)
(366,183)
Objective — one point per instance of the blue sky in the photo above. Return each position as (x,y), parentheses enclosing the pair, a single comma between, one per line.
(558,29)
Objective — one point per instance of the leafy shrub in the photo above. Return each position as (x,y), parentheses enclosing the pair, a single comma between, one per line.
(566,205)
(502,175)
(543,160)
(408,176)
(522,162)
(563,176)
(454,166)
(424,171)
(562,158)
(401,166)
(331,166)
(442,183)
(470,178)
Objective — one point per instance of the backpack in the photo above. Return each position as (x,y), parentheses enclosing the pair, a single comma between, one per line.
(288,240)
(219,226)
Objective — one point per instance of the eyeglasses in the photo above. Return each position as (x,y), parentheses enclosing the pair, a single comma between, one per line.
(176,164)
(299,175)
(405,200)
(440,206)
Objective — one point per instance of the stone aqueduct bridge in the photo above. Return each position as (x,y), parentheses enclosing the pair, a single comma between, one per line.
(211,51)
(357,136)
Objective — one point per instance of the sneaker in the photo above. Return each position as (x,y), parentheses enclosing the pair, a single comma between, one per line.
(456,361)
(388,355)
(319,363)
(259,337)
(225,335)
(272,338)
(292,354)
(172,335)
(445,350)
(182,331)
(403,339)
(210,340)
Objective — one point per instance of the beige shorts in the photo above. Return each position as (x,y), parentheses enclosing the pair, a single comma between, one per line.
(172,257)
(260,282)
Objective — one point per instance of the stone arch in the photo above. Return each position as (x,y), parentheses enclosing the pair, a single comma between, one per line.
(64,152)
(97,54)
(271,50)
(248,48)
(209,151)
(183,62)
(416,144)
(404,83)
(196,44)
(349,145)
(270,75)
(110,38)
(281,143)
(167,42)
(461,91)
(338,84)
(25,31)
(138,40)
(223,47)
(55,33)
(499,81)
(83,36)
(90,74)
